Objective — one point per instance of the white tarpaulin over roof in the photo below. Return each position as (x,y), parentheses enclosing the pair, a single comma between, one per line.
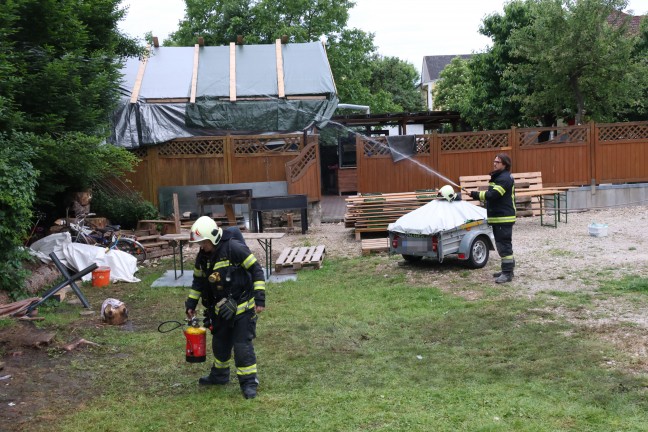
(436,216)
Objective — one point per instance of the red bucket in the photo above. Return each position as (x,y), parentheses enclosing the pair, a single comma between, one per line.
(101,276)
(196,344)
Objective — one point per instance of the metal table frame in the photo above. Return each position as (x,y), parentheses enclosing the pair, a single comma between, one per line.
(558,202)
(265,241)
(176,241)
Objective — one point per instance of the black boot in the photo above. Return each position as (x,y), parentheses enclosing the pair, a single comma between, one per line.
(504,277)
(249,386)
(249,390)
(215,377)
(499,273)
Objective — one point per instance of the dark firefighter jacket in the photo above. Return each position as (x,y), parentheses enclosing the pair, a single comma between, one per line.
(500,198)
(229,270)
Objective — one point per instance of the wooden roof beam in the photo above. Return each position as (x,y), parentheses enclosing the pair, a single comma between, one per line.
(194,74)
(232,97)
(140,76)
(281,92)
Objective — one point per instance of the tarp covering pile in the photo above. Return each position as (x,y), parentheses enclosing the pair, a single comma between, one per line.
(163,112)
(78,256)
(436,216)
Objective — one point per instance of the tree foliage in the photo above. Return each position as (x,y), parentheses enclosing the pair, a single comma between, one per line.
(550,60)
(582,66)
(262,21)
(59,75)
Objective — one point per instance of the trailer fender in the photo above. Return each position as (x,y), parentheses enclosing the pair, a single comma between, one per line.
(467,240)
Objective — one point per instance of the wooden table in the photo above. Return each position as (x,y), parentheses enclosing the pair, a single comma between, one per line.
(265,240)
(226,198)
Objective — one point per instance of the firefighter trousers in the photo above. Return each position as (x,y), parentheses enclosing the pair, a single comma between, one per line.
(236,334)
(504,243)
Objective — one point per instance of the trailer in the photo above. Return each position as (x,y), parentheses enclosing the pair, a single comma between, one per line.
(470,242)
(441,228)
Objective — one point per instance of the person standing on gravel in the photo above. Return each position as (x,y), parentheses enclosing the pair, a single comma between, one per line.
(500,211)
(232,285)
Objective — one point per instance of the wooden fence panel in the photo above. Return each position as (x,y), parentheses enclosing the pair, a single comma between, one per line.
(139,180)
(562,154)
(381,174)
(622,152)
(303,173)
(566,156)
(262,158)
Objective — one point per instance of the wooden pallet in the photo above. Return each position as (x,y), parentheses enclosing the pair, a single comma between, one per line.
(299,257)
(375,245)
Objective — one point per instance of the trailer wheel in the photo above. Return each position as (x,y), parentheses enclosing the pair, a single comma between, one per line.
(478,253)
(412,258)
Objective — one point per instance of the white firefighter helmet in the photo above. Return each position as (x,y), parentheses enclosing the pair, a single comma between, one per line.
(205,228)
(448,193)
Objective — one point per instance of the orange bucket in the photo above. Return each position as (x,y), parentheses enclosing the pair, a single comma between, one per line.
(101,276)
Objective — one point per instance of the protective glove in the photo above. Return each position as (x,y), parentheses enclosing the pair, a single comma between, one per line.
(474,195)
(227,310)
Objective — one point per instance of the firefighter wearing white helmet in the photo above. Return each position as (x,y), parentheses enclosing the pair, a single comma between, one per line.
(448,193)
(231,284)
(205,228)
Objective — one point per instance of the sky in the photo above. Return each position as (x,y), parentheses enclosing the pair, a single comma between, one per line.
(407,29)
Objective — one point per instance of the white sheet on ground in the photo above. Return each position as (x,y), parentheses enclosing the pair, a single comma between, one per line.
(52,243)
(78,256)
(437,216)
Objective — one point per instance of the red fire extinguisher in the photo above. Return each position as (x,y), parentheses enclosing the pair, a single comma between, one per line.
(196,337)
(196,344)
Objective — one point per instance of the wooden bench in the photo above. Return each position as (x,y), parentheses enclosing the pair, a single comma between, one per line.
(527,187)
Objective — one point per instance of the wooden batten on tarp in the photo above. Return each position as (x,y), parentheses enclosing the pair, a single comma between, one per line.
(280,73)
(140,76)
(194,74)
(232,72)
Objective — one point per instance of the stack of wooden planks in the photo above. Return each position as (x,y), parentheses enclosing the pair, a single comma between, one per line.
(374,212)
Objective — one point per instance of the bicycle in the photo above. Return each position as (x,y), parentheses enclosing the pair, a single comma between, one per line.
(109,237)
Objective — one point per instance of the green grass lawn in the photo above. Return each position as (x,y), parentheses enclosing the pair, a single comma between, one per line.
(345,349)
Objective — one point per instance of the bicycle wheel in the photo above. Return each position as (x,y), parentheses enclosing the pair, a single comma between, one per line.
(132,247)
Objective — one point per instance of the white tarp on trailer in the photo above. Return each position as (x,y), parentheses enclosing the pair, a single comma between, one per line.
(436,216)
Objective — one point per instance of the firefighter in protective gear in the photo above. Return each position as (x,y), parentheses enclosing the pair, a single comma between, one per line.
(500,211)
(448,193)
(231,284)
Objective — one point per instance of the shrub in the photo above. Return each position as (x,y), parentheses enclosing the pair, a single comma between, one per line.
(123,208)
(17,184)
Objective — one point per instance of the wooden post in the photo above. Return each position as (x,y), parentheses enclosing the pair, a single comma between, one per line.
(593,139)
(176,213)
